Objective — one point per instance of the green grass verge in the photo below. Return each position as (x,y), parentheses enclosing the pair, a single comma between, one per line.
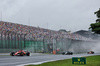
(90,61)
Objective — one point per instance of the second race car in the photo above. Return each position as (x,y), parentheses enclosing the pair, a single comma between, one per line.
(90,52)
(67,53)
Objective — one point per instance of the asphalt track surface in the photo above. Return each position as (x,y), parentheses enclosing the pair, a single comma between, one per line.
(19,60)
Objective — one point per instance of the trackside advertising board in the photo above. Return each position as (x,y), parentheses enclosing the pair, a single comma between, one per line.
(78,60)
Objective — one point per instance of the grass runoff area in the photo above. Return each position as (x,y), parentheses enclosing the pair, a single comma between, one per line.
(90,61)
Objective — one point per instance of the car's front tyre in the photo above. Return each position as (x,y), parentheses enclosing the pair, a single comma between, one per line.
(12,53)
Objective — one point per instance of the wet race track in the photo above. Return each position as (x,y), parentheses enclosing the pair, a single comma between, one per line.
(20,60)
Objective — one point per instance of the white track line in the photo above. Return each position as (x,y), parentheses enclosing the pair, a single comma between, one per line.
(38,62)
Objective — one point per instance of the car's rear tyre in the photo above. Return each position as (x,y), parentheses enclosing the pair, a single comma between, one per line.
(28,54)
(12,53)
(71,53)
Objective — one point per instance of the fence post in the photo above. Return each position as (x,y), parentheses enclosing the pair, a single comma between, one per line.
(12,39)
(24,40)
(1,40)
(18,40)
(21,40)
(5,39)
(43,45)
(8,40)
(15,39)
(6,43)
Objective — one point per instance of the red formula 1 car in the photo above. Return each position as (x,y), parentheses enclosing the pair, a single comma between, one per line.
(20,53)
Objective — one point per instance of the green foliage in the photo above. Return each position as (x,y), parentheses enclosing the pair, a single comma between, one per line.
(97,13)
(95,27)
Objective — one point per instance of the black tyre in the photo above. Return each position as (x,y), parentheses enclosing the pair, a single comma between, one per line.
(12,53)
(72,53)
(28,53)
(92,52)
(63,53)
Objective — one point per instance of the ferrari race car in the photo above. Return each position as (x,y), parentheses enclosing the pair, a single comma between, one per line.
(91,52)
(20,53)
(67,53)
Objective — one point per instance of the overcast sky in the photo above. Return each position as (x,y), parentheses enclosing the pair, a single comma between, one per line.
(71,15)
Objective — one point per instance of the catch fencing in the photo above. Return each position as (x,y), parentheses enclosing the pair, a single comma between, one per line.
(13,41)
